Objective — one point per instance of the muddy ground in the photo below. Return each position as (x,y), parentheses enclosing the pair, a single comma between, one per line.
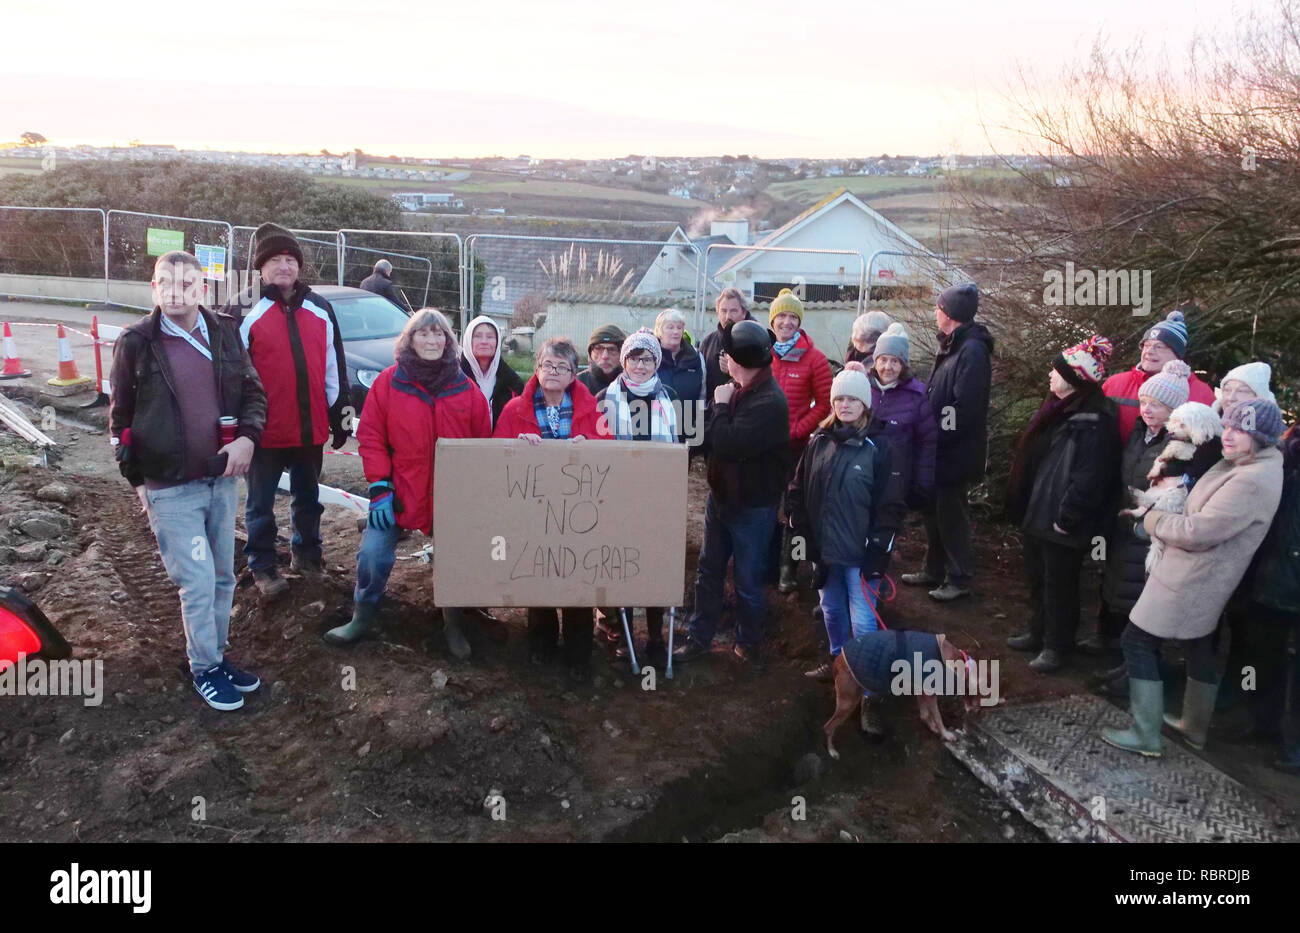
(422,741)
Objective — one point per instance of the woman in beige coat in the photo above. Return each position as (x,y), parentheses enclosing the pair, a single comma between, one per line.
(1207,551)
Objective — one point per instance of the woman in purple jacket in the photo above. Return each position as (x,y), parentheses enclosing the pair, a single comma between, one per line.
(901,414)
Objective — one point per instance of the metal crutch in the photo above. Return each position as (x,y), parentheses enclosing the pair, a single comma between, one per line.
(672,624)
(627,630)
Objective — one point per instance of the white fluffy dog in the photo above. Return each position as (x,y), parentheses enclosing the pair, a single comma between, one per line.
(1189,426)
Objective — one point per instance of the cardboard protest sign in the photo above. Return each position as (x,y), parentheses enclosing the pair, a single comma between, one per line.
(597,523)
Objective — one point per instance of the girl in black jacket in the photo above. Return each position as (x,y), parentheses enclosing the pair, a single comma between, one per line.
(1061,483)
(838,502)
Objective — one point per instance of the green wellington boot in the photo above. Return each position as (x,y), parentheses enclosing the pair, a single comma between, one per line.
(1198,707)
(1147,706)
(362,624)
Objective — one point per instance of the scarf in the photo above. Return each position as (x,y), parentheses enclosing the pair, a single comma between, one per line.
(430,375)
(782,347)
(487,380)
(553,424)
(648,395)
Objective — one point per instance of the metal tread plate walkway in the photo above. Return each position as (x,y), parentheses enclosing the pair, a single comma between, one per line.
(1049,762)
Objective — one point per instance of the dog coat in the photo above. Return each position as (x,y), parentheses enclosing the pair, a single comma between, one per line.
(871,655)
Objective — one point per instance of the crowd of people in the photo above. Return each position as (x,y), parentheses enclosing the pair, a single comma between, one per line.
(809,474)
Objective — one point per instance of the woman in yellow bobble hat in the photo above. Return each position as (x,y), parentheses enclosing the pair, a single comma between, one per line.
(804,375)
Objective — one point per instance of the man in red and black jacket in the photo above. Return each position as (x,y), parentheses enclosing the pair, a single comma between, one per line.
(293,339)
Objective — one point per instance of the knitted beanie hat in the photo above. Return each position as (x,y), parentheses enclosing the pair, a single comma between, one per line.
(1172,332)
(1259,418)
(785,303)
(854,384)
(1170,385)
(606,333)
(960,302)
(270,240)
(894,342)
(643,339)
(1083,363)
(1257,375)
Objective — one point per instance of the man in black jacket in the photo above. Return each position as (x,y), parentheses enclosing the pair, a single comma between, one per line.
(749,435)
(380,281)
(602,357)
(186,410)
(958,390)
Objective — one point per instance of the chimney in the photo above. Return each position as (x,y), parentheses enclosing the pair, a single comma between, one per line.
(737,230)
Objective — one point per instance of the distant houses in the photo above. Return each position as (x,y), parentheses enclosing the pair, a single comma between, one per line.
(423,200)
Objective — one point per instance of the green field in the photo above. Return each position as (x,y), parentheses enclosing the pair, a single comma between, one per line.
(488,186)
(812,190)
(9,165)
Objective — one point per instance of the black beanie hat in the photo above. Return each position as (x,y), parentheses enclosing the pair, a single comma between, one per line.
(606,333)
(271,240)
(960,302)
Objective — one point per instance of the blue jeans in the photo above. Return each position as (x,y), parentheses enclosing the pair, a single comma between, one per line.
(744,534)
(375,561)
(303,464)
(846,609)
(195,527)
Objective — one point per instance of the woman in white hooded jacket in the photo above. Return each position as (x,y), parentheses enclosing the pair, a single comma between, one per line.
(480,359)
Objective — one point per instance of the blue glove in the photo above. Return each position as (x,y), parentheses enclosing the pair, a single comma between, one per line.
(381,516)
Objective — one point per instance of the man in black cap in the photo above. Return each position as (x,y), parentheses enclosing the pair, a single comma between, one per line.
(602,354)
(749,434)
(293,339)
(958,390)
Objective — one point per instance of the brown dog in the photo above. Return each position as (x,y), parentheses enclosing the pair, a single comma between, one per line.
(848,691)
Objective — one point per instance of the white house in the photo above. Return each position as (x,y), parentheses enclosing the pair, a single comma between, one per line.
(676,269)
(838,222)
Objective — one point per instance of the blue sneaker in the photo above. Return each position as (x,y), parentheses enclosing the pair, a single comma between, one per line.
(217,690)
(242,681)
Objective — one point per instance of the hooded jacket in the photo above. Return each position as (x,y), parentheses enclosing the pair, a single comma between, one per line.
(400,432)
(804,375)
(958,390)
(839,498)
(144,390)
(298,352)
(504,382)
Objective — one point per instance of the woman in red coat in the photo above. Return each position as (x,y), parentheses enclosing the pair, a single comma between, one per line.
(423,397)
(555,406)
(804,375)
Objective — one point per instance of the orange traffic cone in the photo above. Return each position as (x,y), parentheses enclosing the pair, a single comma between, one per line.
(13,366)
(68,375)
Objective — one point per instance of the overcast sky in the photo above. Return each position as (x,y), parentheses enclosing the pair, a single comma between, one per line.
(772,78)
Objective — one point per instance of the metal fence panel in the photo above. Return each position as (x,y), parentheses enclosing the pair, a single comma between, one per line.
(577,282)
(41,245)
(129,265)
(427,265)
